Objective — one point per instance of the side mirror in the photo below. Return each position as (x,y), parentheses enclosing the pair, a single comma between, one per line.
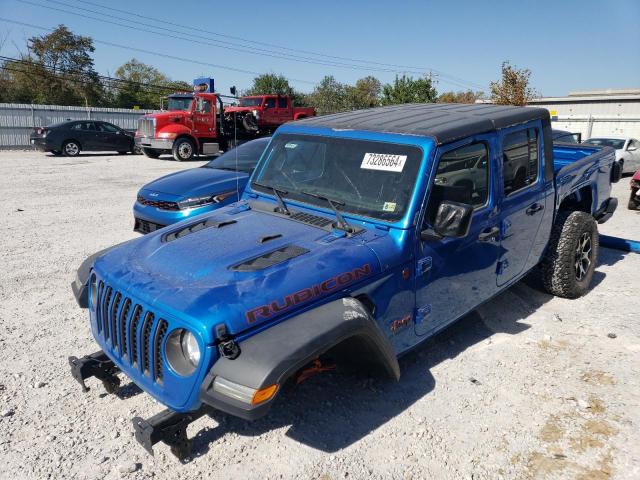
(452,220)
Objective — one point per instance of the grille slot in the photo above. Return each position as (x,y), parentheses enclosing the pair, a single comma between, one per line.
(133,333)
(145,339)
(161,331)
(113,317)
(161,204)
(269,259)
(105,312)
(313,220)
(146,127)
(124,315)
(98,306)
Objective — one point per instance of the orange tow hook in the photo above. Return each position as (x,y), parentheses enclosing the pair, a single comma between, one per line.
(315,368)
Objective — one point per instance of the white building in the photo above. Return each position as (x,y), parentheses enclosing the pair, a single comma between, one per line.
(595,113)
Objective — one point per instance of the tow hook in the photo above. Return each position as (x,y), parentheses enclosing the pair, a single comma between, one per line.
(314,368)
(95,365)
(227,346)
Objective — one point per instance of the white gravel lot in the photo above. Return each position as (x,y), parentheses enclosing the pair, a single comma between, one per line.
(529,386)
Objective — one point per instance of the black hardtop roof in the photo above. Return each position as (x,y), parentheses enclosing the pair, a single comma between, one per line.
(445,122)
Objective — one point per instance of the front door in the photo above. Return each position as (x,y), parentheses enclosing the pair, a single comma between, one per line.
(111,137)
(453,275)
(269,111)
(523,201)
(284,110)
(203,118)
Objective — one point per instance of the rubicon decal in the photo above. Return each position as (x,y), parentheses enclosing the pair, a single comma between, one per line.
(306,294)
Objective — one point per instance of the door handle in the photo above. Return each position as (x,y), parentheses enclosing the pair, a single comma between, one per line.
(489,235)
(533,209)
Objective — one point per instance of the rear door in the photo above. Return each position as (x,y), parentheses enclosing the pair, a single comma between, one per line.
(85,132)
(454,275)
(522,201)
(284,110)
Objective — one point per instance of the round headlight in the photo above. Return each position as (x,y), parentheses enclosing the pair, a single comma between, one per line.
(182,351)
(93,290)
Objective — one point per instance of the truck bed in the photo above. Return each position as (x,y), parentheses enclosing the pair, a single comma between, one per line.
(578,167)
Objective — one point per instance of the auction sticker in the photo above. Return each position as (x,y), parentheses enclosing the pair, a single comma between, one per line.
(383,161)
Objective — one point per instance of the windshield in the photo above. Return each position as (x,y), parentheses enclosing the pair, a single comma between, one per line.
(372,179)
(251,102)
(179,103)
(246,156)
(606,142)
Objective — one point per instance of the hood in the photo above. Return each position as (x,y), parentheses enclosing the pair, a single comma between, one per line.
(167,115)
(238,109)
(232,274)
(195,182)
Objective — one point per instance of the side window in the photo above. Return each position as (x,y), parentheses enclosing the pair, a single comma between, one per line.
(462,176)
(84,126)
(282,102)
(520,160)
(107,127)
(270,102)
(203,105)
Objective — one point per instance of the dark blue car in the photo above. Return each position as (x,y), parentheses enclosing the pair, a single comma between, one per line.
(186,194)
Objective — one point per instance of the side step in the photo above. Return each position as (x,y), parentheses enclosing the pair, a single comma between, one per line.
(169,427)
(95,365)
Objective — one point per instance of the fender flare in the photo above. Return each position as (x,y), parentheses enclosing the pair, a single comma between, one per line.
(80,286)
(273,355)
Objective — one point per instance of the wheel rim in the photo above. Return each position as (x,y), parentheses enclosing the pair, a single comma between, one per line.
(584,251)
(71,149)
(185,150)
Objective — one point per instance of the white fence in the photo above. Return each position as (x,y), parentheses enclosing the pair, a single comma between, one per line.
(17,120)
(599,125)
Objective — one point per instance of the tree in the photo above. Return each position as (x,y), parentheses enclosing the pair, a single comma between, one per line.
(407,90)
(144,85)
(460,97)
(365,94)
(513,87)
(272,84)
(329,96)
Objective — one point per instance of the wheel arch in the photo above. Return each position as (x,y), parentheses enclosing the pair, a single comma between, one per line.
(581,200)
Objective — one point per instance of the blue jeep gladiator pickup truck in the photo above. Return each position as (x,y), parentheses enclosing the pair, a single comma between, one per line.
(358,236)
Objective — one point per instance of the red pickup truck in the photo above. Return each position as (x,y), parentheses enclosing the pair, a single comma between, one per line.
(265,113)
(199,124)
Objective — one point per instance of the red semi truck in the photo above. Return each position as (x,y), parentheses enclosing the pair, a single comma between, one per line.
(199,124)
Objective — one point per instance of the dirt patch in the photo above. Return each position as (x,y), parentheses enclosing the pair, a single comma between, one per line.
(597,377)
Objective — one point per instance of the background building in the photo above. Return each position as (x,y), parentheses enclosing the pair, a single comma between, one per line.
(595,113)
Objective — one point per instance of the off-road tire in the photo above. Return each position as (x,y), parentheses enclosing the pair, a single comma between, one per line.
(561,273)
(183,150)
(633,203)
(71,148)
(151,153)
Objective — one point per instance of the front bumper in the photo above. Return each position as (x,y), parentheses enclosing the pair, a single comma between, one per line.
(154,143)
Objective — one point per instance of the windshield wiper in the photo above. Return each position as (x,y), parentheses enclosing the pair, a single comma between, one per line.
(282,207)
(342,223)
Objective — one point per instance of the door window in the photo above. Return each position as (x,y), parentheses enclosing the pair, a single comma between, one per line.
(282,102)
(203,105)
(107,127)
(520,162)
(84,126)
(270,102)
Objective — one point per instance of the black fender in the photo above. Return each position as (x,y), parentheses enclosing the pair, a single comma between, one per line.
(273,355)
(80,286)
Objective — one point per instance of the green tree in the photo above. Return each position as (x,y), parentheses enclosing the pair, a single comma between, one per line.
(365,94)
(272,84)
(513,87)
(329,96)
(406,89)
(460,97)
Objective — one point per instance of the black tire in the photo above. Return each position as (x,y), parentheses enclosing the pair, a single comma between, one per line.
(122,153)
(149,152)
(136,150)
(572,255)
(633,203)
(183,149)
(71,148)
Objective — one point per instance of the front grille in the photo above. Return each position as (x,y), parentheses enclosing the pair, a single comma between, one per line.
(147,127)
(161,204)
(145,226)
(131,331)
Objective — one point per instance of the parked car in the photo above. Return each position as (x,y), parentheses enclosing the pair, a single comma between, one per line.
(73,136)
(627,150)
(342,246)
(634,198)
(188,193)
(565,137)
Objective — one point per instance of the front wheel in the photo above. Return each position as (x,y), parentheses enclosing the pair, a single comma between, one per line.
(572,254)
(183,149)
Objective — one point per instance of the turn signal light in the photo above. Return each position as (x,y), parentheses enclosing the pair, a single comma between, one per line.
(264,394)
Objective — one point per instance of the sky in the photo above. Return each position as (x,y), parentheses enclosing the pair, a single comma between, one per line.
(568,45)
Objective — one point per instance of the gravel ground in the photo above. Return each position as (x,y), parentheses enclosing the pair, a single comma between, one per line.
(529,386)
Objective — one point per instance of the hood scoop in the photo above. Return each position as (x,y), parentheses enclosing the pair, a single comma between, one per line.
(269,259)
(196,227)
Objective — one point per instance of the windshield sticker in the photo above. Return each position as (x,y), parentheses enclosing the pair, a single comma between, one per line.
(383,161)
(291,145)
(389,207)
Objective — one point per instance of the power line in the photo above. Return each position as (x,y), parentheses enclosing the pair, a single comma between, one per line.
(403,68)
(232,46)
(157,54)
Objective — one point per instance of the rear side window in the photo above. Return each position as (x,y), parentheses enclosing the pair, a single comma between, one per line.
(84,126)
(520,162)
(282,102)
(270,102)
